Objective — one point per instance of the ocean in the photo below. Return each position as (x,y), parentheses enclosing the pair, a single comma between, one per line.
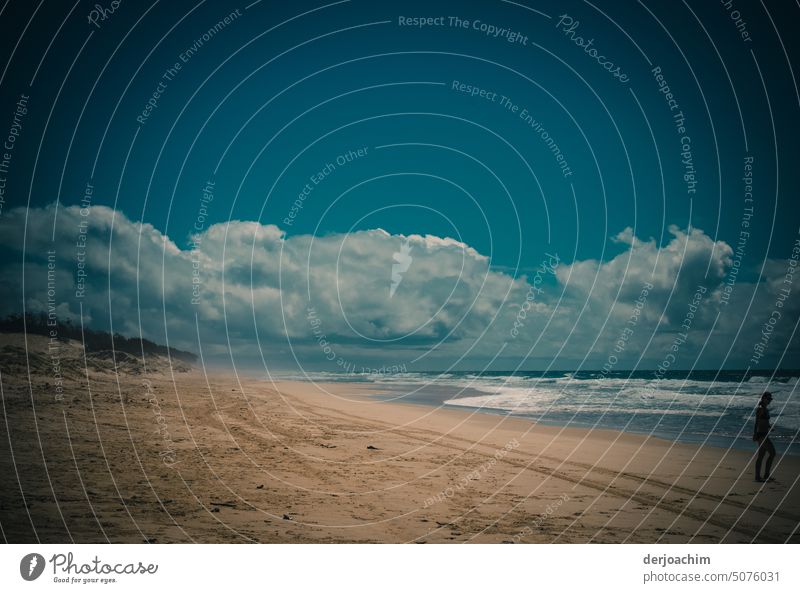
(709,407)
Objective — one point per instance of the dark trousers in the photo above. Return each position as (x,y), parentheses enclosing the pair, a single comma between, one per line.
(765,447)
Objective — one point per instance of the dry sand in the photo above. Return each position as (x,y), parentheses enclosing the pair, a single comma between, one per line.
(153,454)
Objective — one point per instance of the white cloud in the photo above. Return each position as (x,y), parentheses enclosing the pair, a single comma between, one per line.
(255,277)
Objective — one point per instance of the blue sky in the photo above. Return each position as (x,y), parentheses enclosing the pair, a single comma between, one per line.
(272,100)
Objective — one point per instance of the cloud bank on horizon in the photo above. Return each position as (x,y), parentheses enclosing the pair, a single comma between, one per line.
(249,291)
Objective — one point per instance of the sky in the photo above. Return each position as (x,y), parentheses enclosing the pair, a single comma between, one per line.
(422,185)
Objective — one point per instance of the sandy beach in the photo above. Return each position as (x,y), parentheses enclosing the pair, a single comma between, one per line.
(160,454)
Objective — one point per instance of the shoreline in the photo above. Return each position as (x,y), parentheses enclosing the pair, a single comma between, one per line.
(519,421)
(719,441)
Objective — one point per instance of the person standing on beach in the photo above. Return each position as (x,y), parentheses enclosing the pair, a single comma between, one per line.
(761,436)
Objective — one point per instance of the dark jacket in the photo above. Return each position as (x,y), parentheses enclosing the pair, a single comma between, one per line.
(762,426)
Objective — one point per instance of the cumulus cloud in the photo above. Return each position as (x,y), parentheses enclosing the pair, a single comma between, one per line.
(689,258)
(242,278)
(246,287)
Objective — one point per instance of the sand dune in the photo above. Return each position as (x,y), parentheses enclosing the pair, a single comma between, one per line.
(147,453)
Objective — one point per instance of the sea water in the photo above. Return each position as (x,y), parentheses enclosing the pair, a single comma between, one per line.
(707,407)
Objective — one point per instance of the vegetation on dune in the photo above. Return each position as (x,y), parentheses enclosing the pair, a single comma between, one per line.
(93,340)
